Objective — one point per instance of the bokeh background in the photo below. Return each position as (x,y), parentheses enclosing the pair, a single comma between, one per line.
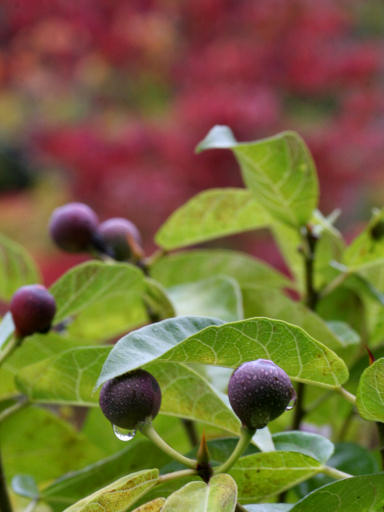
(103,101)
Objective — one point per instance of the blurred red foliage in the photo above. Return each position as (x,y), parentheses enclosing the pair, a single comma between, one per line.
(118,93)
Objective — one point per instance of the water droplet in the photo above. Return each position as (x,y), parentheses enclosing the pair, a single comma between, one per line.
(124,434)
(291,404)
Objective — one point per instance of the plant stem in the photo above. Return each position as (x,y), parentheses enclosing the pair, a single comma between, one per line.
(190,429)
(23,402)
(347,395)
(335,473)
(311,298)
(299,408)
(380,430)
(176,474)
(10,347)
(246,435)
(5,502)
(148,431)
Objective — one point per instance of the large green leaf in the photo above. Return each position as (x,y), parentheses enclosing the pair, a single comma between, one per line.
(34,441)
(357,494)
(75,485)
(274,304)
(262,475)
(209,215)
(17,268)
(70,378)
(217,296)
(370,393)
(302,357)
(119,495)
(279,170)
(189,266)
(217,496)
(157,300)
(91,282)
(313,445)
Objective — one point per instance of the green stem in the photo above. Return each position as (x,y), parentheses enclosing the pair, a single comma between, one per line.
(176,474)
(23,402)
(246,435)
(335,473)
(10,347)
(148,431)
(347,395)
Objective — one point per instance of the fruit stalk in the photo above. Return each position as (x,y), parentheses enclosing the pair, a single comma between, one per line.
(148,431)
(246,435)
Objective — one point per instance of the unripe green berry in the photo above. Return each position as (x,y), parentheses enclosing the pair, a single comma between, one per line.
(33,309)
(259,391)
(130,399)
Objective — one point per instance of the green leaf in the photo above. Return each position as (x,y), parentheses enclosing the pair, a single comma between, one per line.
(6,328)
(262,475)
(274,304)
(269,507)
(279,170)
(217,296)
(67,378)
(90,282)
(211,214)
(369,245)
(155,505)
(119,495)
(344,332)
(313,445)
(25,485)
(36,348)
(357,494)
(190,266)
(217,496)
(70,377)
(231,344)
(17,268)
(370,393)
(73,486)
(35,434)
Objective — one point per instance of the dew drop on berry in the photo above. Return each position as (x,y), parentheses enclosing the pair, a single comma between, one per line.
(124,434)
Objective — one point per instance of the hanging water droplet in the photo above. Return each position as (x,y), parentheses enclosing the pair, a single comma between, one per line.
(124,434)
(291,404)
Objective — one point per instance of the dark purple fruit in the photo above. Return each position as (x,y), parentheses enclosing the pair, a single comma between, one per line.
(33,309)
(121,238)
(73,227)
(130,399)
(259,391)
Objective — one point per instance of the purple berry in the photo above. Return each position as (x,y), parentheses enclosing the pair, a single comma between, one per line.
(130,399)
(73,227)
(33,309)
(259,391)
(121,238)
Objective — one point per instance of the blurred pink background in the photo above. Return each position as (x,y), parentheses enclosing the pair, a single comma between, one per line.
(103,101)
